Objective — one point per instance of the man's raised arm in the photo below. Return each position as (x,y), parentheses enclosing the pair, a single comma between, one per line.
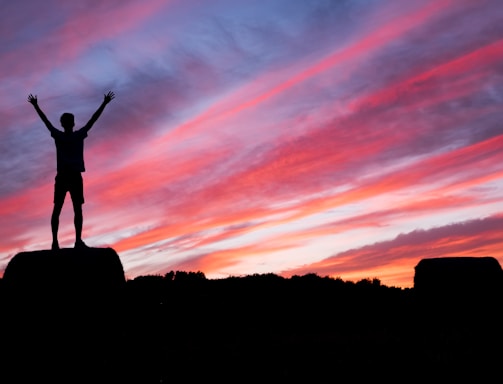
(33,101)
(106,99)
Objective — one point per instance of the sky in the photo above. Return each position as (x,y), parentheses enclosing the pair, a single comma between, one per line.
(345,138)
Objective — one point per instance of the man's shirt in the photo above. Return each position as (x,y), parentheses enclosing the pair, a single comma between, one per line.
(69,150)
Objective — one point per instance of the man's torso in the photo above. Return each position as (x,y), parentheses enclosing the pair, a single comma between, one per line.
(69,150)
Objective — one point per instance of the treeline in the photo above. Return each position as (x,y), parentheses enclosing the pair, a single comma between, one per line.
(268,304)
(264,327)
(269,286)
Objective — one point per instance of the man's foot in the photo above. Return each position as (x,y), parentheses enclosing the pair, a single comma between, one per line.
(80,244)
(55,246)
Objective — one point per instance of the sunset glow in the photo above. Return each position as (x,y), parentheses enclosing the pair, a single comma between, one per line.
(344,138)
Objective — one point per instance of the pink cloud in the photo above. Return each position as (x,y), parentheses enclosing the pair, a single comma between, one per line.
(76,35)
(465,71)
(373,41)
(400,255)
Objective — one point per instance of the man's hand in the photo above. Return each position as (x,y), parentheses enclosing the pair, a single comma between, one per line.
(32,99)
(108,97)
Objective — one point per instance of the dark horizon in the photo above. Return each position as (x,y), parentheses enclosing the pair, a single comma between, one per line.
(93,325)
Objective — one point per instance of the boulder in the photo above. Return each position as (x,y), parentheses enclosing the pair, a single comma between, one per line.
(459,289)
(64,269)
(458,274)
(62,316)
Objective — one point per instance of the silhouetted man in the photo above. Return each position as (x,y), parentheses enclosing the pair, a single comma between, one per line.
(70,165)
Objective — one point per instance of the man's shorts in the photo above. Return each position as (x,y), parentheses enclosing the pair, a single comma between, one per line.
(69,182)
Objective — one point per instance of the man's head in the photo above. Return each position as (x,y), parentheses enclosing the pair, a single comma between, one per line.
(67,121)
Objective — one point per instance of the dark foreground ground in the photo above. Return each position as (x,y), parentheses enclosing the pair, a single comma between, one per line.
(261,328)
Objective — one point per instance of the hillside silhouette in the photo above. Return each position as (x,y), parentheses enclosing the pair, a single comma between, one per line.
(72,317)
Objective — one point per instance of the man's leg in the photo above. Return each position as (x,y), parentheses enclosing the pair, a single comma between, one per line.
(78,220)
(77,194)
(56,211)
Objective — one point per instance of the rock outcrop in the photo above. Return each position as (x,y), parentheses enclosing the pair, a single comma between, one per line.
(464,290)
(68,268)
(62,315)
(458,274)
